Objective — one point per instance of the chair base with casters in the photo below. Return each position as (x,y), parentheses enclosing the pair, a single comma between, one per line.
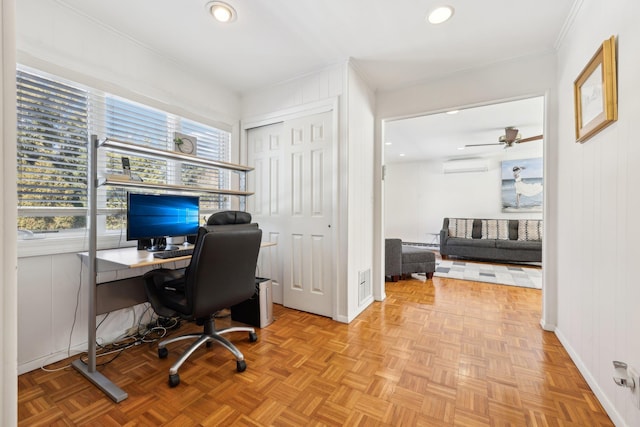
(209,336)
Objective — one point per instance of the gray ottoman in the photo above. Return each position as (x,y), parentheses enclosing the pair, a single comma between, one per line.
(402,260)
(418,260)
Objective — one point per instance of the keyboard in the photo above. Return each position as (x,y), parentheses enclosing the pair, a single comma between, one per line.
(173,254)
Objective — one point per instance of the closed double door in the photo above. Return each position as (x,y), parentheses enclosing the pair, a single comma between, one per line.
(293,204)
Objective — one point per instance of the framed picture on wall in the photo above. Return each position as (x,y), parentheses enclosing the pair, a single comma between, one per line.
(595,92)
(522,185)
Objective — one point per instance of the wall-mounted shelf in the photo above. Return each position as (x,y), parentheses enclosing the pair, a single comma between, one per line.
(152,186)
(130,147)
(89,369)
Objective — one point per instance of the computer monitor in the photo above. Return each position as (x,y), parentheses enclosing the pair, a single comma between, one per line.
(154,217)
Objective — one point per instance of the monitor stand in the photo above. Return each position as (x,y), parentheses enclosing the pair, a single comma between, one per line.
(159,244)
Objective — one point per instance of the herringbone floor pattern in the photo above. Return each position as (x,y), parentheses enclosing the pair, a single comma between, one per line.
(440,353)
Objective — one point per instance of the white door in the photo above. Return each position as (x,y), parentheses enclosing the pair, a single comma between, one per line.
(293,200)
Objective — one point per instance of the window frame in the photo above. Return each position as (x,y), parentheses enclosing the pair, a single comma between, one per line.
(76,240)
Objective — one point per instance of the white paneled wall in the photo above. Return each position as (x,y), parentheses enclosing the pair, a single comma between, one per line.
(53,307)
(598,205)
(361,112)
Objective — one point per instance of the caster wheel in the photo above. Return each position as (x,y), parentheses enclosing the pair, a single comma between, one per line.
(253,337)
(209,344)
(163,353)
(241,365)
(174,380)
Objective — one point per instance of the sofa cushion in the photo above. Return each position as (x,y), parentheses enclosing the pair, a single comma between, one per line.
(513,229)
(477,229)
(495,229)
(462,228)
(533,245)
(479,243)
(529,229)
(411,254)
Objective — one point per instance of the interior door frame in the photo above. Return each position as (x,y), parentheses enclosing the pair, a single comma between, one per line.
(332,105)
(549,290)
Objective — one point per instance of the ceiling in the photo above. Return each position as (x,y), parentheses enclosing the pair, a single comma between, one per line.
(389,42)
(440,136)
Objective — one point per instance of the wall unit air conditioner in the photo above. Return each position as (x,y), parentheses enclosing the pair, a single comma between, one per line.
(465,165)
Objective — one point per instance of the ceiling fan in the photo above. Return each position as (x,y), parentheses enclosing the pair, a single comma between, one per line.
(511,136)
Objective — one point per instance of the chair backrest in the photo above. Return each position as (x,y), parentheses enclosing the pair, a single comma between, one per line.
(222,271)
(229,217)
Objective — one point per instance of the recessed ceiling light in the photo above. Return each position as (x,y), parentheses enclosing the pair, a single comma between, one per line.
(388,143)
(460,148)
(453,112)
(402,155)
(221,11)
(440,14)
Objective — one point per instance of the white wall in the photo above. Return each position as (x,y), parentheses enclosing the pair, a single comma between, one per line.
(360,142)
(598,204)
(69,44)
(57,40)
(418,195)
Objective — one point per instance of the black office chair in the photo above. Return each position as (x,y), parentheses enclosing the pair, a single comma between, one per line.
(221,273)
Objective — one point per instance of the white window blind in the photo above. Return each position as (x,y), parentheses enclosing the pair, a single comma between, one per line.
(55,119)
(130,122)
(212,144)
(52,152)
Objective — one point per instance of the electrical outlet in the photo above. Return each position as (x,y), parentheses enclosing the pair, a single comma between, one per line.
(633,373)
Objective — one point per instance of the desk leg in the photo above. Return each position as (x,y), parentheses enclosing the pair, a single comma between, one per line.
(100,381)
(89,370)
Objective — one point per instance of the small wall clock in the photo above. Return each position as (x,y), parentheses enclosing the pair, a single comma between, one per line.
(185,143)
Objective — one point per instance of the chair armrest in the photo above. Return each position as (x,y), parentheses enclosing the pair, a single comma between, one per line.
(392,257)
(444,236)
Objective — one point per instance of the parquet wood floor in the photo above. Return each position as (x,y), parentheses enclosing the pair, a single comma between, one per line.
(440,353)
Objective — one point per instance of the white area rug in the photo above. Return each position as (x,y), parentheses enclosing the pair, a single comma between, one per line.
(511,275)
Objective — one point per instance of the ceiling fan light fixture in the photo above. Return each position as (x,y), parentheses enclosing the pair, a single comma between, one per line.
(440,14)
(221,11)
(511,134)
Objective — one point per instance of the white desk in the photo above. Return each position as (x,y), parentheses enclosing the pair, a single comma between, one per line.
(120,272)
(133,258)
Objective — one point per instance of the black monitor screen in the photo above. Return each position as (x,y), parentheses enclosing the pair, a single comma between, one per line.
(150,215)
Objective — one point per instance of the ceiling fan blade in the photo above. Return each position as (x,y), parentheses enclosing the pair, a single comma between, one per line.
(484,145)
(531,138)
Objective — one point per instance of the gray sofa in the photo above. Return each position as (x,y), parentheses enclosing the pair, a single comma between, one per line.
(493,240)
(402,260)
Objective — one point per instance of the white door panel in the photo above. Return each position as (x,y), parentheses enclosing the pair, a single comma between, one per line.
(296,203)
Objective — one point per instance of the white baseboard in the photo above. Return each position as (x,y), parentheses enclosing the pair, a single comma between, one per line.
(51,359)
(549,327)
(597,390)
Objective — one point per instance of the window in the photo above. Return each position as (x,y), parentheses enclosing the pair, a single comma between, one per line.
(52,154)
(55,120)
(212,145)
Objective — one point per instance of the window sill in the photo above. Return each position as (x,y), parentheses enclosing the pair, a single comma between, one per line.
(50,245)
